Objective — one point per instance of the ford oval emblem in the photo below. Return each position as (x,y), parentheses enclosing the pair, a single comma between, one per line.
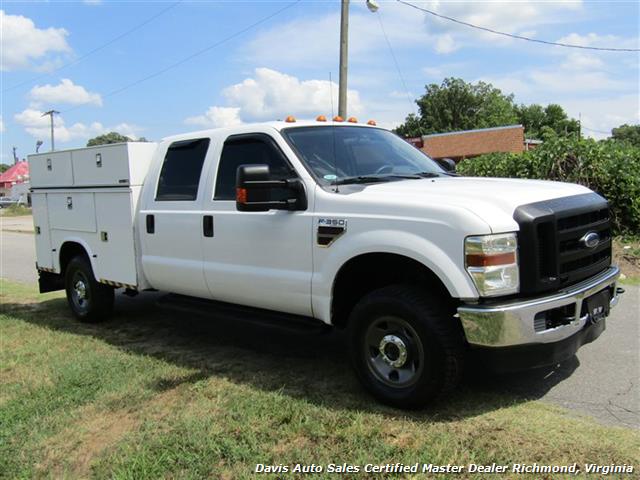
(590,240)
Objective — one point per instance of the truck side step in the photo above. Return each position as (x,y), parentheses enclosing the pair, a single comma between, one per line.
(227,311)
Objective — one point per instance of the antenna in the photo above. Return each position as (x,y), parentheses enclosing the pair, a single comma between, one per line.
(333,133)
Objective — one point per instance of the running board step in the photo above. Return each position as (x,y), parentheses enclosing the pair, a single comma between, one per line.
(227,311)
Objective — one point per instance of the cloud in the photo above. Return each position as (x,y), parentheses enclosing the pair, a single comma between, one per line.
(2,129)
(317,38)
(216,117)
(38,127)
(23,43)
(269,95)
(66,92)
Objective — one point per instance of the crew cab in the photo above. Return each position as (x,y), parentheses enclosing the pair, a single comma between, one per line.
(338,224)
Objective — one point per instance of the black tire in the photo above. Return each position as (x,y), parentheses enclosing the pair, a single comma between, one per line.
(411,324)
(89,300)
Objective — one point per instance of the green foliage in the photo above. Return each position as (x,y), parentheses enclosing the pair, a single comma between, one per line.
(112,137)
(627,133)
(610,168)
(4,167)
(458,105)
(546,122)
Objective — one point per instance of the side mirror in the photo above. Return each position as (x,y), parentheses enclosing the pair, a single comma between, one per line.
(448,164)
(254,187)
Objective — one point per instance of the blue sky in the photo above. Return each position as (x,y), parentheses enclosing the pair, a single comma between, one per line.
(282,66)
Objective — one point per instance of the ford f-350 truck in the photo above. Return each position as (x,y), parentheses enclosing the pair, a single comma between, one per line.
(333,223)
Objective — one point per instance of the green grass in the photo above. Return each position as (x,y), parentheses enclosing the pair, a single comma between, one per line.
(157,395)
(15,211)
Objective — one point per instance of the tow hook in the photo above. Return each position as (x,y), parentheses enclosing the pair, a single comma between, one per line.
(620,290)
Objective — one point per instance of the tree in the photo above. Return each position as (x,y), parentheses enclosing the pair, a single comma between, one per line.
(4,167)
(112,137)
(627,133)
(457,105)
(545,122)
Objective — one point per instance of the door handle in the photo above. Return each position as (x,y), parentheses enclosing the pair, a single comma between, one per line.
(207,225)
(151,224)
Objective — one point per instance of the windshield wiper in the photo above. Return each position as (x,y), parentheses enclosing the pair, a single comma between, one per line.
(429,174)
(360,179)
(374,178)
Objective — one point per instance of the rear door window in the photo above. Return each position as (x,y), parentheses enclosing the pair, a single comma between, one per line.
(181,170)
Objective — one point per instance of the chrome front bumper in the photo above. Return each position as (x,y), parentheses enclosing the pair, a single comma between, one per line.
(521,322)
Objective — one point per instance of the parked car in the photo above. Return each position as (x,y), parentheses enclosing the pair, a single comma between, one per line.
(7,202)
(334,224)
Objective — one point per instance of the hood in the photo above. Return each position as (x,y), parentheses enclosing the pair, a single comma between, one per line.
(492,199)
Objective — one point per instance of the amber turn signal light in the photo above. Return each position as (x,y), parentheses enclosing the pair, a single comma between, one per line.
(241,195)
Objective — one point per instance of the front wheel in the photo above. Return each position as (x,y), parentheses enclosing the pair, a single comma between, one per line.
(405,346)
(89,300)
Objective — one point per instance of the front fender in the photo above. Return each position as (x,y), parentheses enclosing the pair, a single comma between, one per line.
(407,244)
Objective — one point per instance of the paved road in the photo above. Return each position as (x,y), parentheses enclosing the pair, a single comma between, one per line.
(602,381)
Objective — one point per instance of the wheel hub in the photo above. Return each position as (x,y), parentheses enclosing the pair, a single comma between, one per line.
(80,290)
(393,351)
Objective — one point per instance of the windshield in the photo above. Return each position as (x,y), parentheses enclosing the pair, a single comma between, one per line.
(359,154)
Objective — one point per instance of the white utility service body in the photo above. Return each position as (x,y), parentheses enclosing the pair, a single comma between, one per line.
(140,228)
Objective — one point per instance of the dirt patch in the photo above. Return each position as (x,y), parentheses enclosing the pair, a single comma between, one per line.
(74,449)
(626,253)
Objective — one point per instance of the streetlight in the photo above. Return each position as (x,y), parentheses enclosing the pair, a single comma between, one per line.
(372,5)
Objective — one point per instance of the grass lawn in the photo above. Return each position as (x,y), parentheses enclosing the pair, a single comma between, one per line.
(159,395)
(15,211)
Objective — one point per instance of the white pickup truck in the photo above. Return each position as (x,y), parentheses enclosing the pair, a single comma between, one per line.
(336,224)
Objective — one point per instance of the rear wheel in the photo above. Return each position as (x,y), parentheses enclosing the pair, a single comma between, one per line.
(405,346)
(89,300)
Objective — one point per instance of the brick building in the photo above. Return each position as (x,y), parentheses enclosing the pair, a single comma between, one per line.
(471,143)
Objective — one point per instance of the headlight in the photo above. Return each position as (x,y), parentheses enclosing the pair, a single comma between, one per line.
(492,262)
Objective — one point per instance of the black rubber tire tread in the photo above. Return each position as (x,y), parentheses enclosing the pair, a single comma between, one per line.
(441,335)
(102,296)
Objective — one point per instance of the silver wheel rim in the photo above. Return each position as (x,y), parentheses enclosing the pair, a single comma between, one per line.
(393,351)
(80,291)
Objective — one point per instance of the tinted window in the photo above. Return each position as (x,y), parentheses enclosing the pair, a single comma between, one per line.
(245,151)
(181,169)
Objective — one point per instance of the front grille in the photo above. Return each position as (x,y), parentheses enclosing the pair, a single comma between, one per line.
(552,252)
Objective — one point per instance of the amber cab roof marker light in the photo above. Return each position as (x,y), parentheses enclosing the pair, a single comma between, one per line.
(338,118)
(321,118)
(290,119)
(352,120)
(372,123)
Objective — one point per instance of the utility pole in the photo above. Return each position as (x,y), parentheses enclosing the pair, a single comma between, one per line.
(15,156)
(372,5)
(344,53)
(51,113)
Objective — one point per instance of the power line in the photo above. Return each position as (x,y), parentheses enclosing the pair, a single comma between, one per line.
(96,49)
(518,37)
(395,61)
(193,55)
(596,131)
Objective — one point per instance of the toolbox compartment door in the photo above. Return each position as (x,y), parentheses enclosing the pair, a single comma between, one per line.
(44,256)
(72,210)
(51,169)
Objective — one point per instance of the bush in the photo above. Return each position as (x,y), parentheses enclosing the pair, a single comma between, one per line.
(610,168)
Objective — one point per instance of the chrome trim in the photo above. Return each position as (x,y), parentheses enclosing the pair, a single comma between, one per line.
(512,323)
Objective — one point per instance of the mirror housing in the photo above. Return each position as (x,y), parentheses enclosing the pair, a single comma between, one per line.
(448,164)
(254,186)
